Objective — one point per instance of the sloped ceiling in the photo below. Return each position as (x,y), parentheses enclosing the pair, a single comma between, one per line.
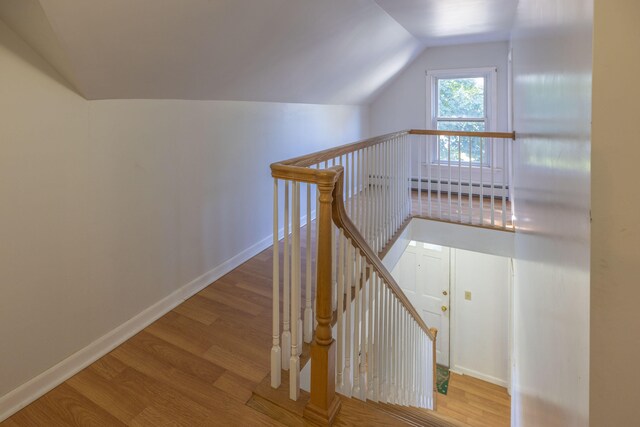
(306,51)
(442,22)
(27,18)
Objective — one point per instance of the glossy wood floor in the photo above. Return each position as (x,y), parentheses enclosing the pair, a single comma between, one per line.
(475,402)
(448,208)
(199,364)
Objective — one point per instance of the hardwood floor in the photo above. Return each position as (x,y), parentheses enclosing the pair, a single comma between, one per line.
(475,402)
(442,208)
(199,364)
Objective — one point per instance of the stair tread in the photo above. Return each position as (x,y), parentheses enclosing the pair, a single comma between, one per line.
(276,412)
(417,416)
(280,396)
(276,404)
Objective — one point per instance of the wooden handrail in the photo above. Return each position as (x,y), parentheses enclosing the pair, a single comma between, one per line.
(342,220)
(324,404)
(330,176)
(505,135)
(304,174)
(331,153)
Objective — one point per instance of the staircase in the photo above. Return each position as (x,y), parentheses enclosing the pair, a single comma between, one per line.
(366,341)
(276,404)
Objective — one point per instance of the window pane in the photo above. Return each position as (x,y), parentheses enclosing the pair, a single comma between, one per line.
(462,98)
(463,147)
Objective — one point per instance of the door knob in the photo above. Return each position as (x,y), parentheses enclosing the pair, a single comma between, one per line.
(444,308)
(445,293)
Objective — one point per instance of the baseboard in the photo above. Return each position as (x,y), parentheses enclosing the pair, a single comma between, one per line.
(20,397)
(303,223)
(475,374)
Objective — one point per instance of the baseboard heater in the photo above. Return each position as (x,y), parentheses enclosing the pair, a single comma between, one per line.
(444,186)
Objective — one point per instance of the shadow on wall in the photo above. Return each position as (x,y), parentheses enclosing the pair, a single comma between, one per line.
(549,414)
(13,43)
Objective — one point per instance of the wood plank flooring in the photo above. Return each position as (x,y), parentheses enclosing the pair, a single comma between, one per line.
(199,364)
(475,402)
(441,207)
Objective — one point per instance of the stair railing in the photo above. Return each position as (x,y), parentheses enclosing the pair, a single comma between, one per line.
(361,195)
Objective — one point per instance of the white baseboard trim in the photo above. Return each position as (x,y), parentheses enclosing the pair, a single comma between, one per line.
(475,374)
(303,222)
(20,397)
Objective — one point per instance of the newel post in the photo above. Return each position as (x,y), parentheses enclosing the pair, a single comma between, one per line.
(324,404)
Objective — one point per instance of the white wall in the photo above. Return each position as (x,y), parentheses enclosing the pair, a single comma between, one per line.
(110,206)
(477,329)
(480,326)
(615,243)
(552,113)
(476,239)
(403,104)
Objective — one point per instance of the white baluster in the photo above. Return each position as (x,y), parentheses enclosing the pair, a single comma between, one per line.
(355,391)
(370,359)
(363,330)
(376,340)
(419,176)
(286,309)
(459,179)
(398,165)
(371,198)
(395,359)
(367,199)
(390,201)
(422,366)
(407,179)
(334,282)
(356,217)
(439,166)
(389,347)
(384,346)
(403,357)
(427,142)
(294,361)
(334,274)
(308,310)
(352,211)
(380,173)
(394,164)
(315,277)
(340,324)
(384,175)
(505,172)
(481,181)
(470,184)
(361,205)
(417,364)
(411,389)
(276,357)
(348,330)
(403,183)
(493,167)
(449,173)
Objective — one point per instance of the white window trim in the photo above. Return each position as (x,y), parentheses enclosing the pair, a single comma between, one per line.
(491,91)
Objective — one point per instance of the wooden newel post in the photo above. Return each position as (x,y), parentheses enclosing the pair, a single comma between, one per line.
(324,403)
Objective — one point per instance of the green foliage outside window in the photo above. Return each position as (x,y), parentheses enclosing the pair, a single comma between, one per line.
(462,98)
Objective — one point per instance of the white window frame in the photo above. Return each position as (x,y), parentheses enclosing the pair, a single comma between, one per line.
(490,75)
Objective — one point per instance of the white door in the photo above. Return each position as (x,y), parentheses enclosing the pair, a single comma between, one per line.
(423,275)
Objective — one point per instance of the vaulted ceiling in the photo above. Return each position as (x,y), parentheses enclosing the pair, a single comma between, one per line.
(308,51)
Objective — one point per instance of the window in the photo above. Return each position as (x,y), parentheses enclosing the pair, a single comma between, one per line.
(462,100)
